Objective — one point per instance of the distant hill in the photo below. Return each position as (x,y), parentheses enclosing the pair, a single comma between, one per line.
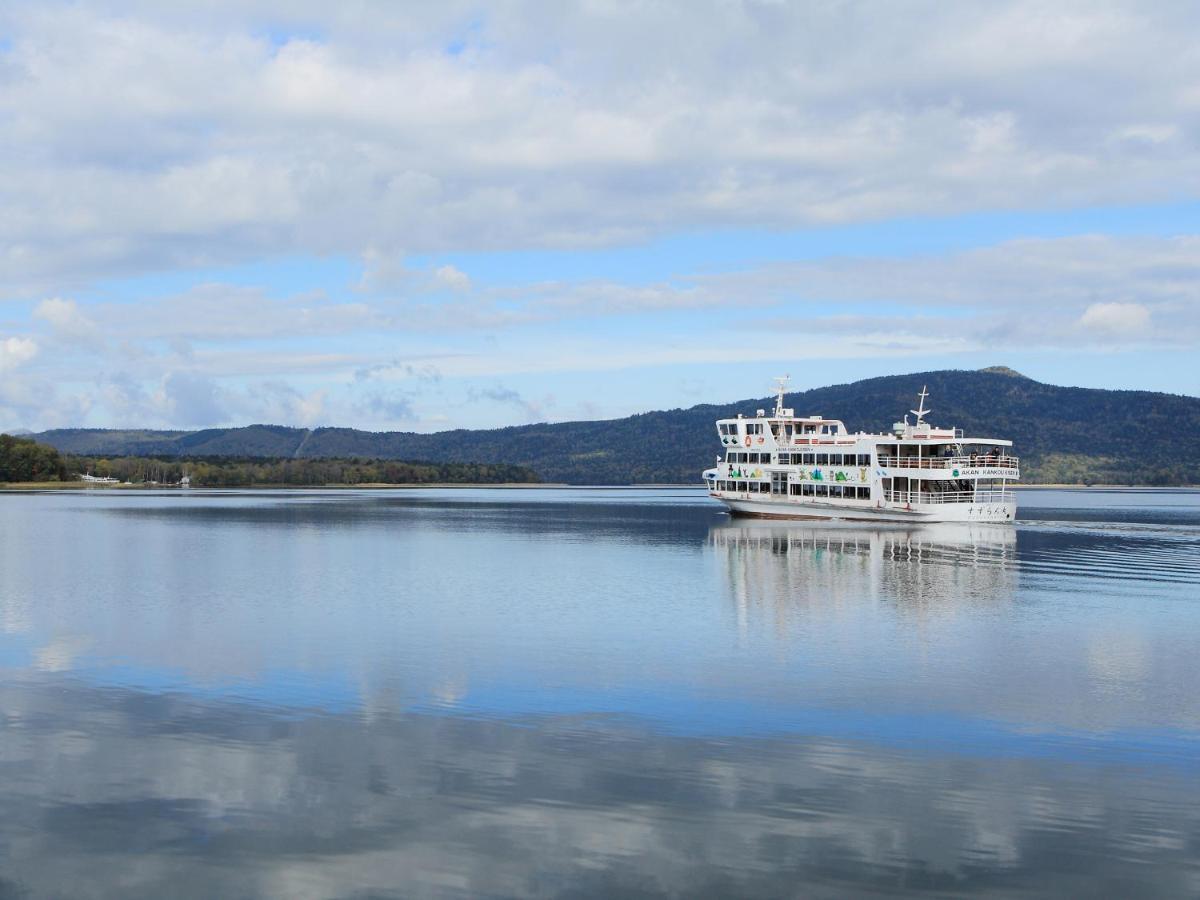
(1063,434)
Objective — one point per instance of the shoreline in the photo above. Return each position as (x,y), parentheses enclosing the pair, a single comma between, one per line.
(65,486)
(374,486)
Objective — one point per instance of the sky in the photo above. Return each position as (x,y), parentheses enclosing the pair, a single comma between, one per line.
(413,216)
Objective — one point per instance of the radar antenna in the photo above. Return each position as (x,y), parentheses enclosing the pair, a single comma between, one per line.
(782,382)
(921,412)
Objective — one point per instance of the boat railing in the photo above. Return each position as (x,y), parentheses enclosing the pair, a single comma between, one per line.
(977,460)
(922,498)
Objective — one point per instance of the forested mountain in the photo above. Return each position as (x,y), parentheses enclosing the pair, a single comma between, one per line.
(1062,434)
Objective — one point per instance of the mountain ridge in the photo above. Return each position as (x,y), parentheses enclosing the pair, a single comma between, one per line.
(1063,434)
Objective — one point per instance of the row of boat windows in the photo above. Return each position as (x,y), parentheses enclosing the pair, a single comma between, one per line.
(804,459)
(837,491)
(750,457)
(844,491)
(731,428)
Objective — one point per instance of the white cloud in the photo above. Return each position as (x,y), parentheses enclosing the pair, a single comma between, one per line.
(452,278)
(16,351)
(178,135)
(192,400)
(69,322)
(1116,318)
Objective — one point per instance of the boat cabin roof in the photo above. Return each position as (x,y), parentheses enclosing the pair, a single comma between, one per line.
(911,433)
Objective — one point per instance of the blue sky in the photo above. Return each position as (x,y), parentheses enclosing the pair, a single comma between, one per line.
(415,218)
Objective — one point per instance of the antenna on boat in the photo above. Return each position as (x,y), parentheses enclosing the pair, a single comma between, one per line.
(921,412)
(782,382)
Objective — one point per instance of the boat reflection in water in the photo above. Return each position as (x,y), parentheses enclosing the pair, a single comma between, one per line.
(824,568)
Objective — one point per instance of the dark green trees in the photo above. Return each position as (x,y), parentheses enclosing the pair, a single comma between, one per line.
(24,460)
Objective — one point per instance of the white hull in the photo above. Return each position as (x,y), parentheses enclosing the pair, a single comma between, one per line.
(789,508)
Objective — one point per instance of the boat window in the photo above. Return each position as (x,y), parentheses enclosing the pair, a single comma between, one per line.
(822,459)
(794,489)
(808,490)
(822,490)
(806,459)
(864,459)
(835,459)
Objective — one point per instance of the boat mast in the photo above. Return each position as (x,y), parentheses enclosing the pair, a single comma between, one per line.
(781,382)
(922,412)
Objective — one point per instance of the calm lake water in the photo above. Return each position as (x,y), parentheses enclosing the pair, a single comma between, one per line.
(594,693)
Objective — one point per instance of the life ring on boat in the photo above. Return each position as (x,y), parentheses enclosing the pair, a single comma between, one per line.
(747,440)
(760,440)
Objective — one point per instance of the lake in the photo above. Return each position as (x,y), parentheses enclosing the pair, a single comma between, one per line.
(522,692)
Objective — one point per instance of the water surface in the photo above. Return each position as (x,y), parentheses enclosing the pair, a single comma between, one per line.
(591,693)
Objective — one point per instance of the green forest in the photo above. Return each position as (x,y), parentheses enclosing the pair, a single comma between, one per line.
(25,461)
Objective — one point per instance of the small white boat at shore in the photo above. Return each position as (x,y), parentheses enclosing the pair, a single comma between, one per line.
(809,467)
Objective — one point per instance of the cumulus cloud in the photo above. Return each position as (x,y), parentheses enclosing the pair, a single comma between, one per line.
(392,406)
(452,278)
(193,400)
(533,410)
(1116,318)
(161,133)
(279,402)
(16,351)
(68,322)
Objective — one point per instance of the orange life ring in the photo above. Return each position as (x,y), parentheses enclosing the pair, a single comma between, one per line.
(760,440)
(747,440)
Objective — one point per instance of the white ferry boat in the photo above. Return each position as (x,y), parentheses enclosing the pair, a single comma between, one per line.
(809,467)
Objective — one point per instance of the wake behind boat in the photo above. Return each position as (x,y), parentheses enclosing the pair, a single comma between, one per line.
(809,467)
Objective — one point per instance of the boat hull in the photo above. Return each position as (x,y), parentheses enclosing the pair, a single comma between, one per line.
(946,512)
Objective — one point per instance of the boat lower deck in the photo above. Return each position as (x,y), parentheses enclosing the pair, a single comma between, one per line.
(789,508)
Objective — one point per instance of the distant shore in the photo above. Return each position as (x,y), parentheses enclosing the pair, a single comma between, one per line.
(83,485)
(41,486)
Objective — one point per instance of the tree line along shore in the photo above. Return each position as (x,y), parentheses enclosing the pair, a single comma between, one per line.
(24,461)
